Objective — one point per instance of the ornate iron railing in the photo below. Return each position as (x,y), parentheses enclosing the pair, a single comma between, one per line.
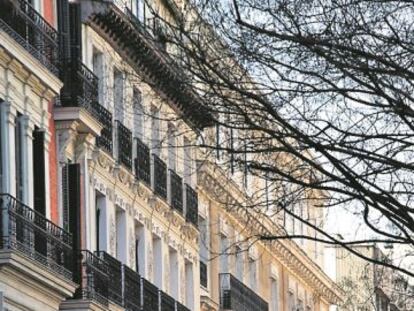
(176,189)
(181,307)
(131,289)
(234,295)
(105,140)
(25,230)
(93,278)
(203,274)
(143,162)
(149,295)
(28,28)
(191,214)
(81,87)
(114,276)
(160,177)
(167,302)
(124,144)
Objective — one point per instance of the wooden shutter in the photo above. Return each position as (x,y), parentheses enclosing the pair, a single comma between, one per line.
(39,172)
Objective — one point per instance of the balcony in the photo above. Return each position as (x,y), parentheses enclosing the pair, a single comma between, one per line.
(132,289)
(160,177)
(105,140)
(93,278)
(191,205)
(203,274)
(167,302)
(176,190)
(29,29)
(143,163)
(150,295)
(25,231)
(181,307)
(114,276)
(79,94)
(80,87)
(124,145)
(131,37)
(234,295)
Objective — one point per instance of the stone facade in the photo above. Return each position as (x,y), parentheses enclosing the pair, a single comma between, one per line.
(105,205)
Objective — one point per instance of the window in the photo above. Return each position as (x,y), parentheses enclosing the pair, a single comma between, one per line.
(223,254)
(172,148)
(155,131)
(140,248)
(253,273)
(138,114)
(204,240)
(188,161)
(98,70)
(174,278)
(274,292)
(189,285)
(18,157)
(291,301)
(101,232)
(300,305)
(121,247)
(119,95)
(138,8)
(157,258)
(239,263)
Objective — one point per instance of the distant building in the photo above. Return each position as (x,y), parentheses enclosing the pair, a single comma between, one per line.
(368,287)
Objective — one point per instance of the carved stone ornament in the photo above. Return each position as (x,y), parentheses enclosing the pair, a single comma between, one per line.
(103,161)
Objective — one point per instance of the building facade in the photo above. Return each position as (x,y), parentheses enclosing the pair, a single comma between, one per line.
(107,203)
(368,286)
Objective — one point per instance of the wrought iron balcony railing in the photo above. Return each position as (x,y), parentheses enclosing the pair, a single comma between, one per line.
(105,140)
(143,163)
(160,177)
(114,276)
(81,87)
(234,295)
(27,231)
(167,302)
(124,144)
(191,214)
(203,274)
(176,190)
(93,278)
(28,28)
(131,289)
(149,295)
(181,307)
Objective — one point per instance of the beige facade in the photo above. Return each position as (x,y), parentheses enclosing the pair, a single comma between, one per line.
(280,272)
(134,215)
(368,286)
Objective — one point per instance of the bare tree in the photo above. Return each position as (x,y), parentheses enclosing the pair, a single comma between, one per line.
(313,98)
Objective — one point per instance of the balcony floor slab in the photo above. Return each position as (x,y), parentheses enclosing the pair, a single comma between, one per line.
(29,285)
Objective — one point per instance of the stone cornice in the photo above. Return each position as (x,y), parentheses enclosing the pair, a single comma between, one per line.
(216,185)
(28,65)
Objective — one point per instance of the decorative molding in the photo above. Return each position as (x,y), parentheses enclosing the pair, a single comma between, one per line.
(216,185)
